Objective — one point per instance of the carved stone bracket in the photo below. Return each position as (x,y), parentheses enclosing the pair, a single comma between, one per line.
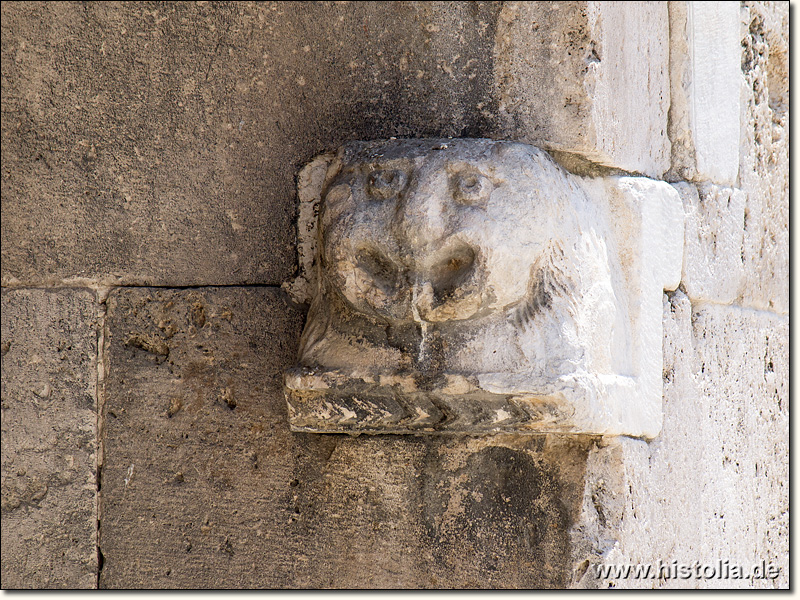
(474,286)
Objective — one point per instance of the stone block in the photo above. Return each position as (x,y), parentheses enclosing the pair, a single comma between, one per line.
(49,375)
(714,484)
(743,375)
(452,513)
(198,463)
(159,144)
(712,258)
(764,156)
(588,78)
(705,88)
(205,486)
(641,500)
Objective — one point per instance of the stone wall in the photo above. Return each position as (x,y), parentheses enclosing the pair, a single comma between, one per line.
(149,157)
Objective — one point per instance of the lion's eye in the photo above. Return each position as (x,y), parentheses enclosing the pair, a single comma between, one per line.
(472,189)
(386,184)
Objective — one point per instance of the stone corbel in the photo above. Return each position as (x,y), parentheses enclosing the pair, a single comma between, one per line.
(474,286)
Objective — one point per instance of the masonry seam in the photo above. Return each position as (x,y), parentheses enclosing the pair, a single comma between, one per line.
(98,286)
(102,337)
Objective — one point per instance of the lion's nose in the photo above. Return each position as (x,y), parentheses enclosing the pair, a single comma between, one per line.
(423,214)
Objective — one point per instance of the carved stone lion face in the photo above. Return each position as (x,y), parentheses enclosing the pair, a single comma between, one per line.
(474,285)
(441,230)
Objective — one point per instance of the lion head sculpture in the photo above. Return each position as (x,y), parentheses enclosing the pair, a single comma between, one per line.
(457,284)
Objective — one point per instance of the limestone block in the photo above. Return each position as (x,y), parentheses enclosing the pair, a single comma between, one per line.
(449,512)
(764,156)
(705,85)
(590,78)
(712,258)
(473,286)
(204,484)
(198,464)
(714,484)
(641,500)
(743,374)
(159,145)
(49,373)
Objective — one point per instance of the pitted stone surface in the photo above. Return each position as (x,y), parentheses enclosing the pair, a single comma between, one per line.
(205,486)
(158,145)
(49,373)
(197,458)
(587,78)
(713,248)
(764,156)
(714,485)
(470,285)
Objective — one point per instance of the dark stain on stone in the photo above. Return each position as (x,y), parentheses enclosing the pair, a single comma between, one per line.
(148,344)
(498,522)
(198,315)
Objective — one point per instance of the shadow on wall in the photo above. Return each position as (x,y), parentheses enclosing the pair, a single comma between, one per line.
(164,143)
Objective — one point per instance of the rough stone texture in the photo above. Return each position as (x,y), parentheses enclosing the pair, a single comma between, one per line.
(714,484)
(764,155)
(590,78)
(705,83)
(743,360)
(203,484)
(197,467)
(158,144)
(713,245)
(49,374)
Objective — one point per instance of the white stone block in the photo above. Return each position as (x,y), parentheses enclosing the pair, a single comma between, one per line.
(714,484)
(587,78)
(705,64)
(764,166)
(743,375)
(712,258)
(474,286)
(648,226)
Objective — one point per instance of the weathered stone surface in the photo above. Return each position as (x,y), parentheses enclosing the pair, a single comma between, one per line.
(473,286)
(49,374)
(400,512)
(498,510)
(159,144)
(714,484)
(712,258)
(198,462)
(705,88)
(743,374)
(205,486)
(764,156)
(590,78)
(660,506)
